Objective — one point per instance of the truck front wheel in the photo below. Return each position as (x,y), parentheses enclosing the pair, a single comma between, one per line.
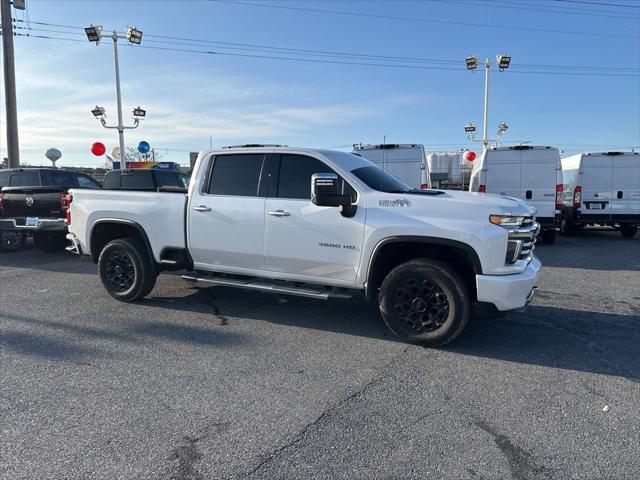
(425,302)
(125,269)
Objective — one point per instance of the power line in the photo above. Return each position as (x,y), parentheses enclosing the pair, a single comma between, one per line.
(339,55)
(533,7)
(424,20)
(597,3)
(341,62)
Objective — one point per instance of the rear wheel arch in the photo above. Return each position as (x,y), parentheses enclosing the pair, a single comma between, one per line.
(104,231)
(393,251)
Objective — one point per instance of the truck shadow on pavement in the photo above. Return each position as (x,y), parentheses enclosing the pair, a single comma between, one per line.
(602,343)
(66,341)
(33,259)
(594,342)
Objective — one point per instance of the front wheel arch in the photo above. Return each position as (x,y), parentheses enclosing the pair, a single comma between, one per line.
(393,251)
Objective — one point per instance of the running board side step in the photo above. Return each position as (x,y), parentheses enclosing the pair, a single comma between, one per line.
(251,284)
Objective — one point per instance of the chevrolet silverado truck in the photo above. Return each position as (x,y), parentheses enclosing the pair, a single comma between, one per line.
(318,224)
(33,202)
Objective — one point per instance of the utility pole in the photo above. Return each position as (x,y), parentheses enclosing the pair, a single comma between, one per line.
(13,147)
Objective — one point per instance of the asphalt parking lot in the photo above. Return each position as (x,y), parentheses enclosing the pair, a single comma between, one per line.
(217,383)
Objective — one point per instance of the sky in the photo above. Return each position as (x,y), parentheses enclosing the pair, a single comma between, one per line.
(365,71)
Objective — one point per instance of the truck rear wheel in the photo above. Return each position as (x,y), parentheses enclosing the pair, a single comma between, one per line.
(425,302)
(125,269)
(50,242)
(11,240)
(628,231)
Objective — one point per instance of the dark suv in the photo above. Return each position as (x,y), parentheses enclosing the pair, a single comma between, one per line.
(33,202)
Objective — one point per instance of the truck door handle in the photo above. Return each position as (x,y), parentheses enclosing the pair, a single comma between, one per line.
(620,194)
(202,208)
(280,213)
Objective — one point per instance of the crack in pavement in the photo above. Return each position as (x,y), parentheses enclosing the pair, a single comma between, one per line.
(303,433)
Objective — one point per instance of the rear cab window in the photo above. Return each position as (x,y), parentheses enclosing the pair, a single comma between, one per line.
(138,180)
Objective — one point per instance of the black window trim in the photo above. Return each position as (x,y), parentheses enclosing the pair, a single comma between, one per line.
(262,179)
(275,176)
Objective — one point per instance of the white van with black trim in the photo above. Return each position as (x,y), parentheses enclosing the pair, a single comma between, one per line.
(601,189)
(406,161)
(532,173)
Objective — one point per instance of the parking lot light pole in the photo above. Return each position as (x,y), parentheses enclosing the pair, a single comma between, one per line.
(502,62)
(133,36)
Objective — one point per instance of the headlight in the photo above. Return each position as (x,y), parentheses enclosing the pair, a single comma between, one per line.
(506,220)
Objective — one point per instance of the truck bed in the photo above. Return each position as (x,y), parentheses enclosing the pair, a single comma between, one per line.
(160,214)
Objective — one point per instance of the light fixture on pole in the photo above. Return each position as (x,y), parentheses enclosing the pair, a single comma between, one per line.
(502,62)
(94,33)
(139,113)
(470,130)
(133,36)
(472,62)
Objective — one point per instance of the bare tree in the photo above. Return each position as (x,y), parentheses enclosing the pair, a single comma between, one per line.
(133,155)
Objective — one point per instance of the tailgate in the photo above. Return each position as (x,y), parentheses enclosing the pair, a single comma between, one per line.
(19,202)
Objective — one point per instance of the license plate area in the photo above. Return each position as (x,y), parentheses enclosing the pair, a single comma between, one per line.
(32,221)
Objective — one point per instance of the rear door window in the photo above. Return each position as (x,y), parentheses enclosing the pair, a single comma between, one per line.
(86,182)
(58,178)
(111,180)
(237,175)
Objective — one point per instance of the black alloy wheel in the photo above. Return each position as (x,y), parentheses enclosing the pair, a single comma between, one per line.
(424,307)
(126,269)
(11,240)
(425,302)
(119,271)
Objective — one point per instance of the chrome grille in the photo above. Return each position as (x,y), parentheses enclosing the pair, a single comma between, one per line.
(522,240)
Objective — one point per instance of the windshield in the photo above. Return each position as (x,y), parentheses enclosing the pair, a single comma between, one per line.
(368,172)
(381,180)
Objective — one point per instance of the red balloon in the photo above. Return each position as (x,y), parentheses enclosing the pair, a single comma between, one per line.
(98,149)
(469,156)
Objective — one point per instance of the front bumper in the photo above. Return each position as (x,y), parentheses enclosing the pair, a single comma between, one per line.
(44,224)
(509,292)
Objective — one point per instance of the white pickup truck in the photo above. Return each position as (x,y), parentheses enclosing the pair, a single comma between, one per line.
(318,224)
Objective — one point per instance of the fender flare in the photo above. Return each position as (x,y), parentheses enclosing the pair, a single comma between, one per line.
(472,255)
(130,223)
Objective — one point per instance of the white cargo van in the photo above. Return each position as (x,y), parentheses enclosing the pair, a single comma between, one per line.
(601,189)
(406,161)
(532,173)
